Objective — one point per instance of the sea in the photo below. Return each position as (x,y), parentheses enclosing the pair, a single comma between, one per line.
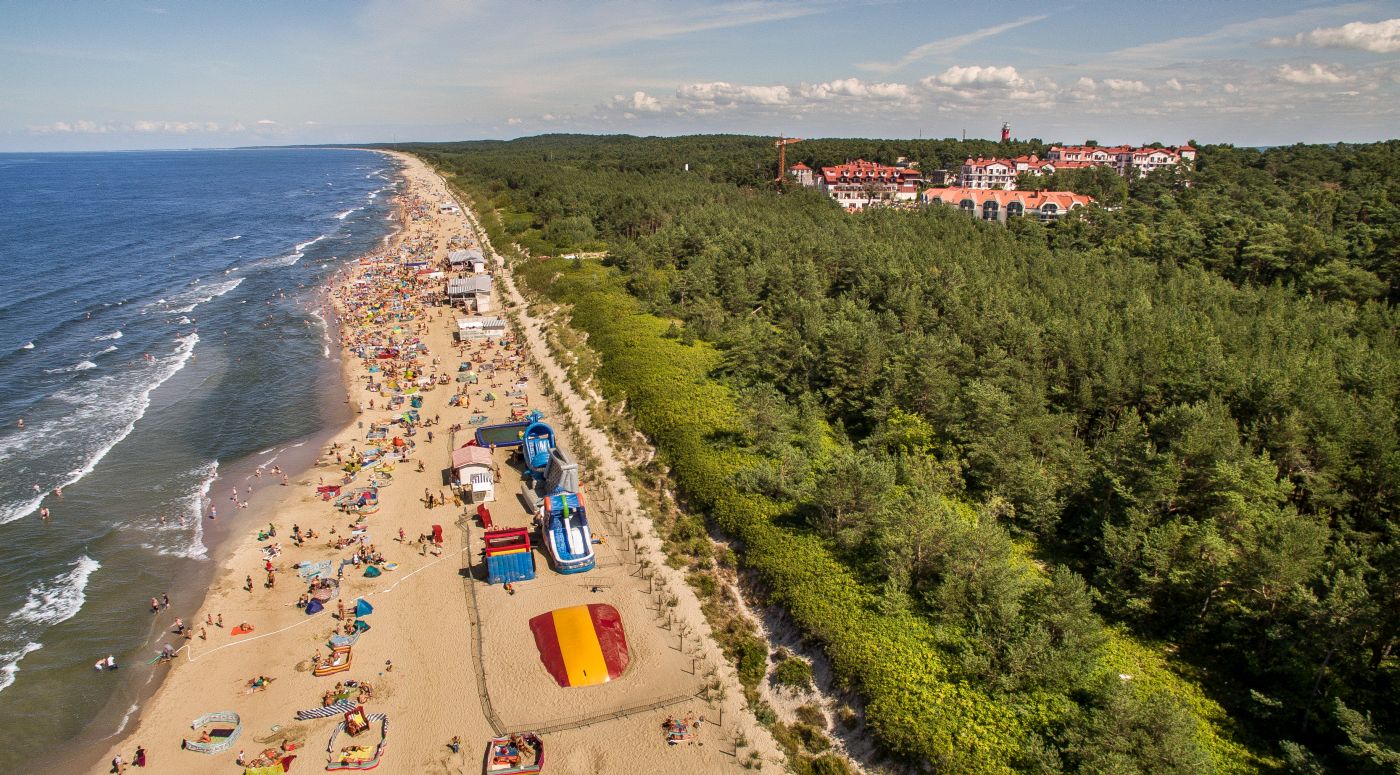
(163,332)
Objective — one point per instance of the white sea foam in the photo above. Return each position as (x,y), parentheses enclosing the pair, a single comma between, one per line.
(287,260)
(113,335)
(27,346)
(105,410)
(196,504)
(58,599)
(185,301)
(234,237)
(304,245)
(79,366)
(346,214)
(269,449)
(109,348)
(10,662)
(121,727)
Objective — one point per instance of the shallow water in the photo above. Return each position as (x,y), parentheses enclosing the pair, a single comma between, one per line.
(160,333)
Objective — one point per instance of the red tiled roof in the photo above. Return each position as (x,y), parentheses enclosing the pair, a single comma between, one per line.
(1031,200)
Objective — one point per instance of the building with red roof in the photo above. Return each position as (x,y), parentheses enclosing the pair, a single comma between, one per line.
(999,205)
(1123,158)
(1002,173)
(858,184)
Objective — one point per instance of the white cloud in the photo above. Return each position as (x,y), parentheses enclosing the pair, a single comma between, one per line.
(266,121)
(1310,75)
(639,102)
(949,45)
(1376,37)
(142,126)
(724,94)
(1174,84)
(975,76)
(1126,86)
(514,121)
(854,87)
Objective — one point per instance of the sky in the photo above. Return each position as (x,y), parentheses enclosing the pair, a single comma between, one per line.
(115,75)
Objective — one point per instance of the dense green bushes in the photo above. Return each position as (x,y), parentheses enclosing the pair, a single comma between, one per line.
(915,706)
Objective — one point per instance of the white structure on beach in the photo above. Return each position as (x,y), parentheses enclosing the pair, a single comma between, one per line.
(468,258)
(480,328)
(475,472)
(472,292)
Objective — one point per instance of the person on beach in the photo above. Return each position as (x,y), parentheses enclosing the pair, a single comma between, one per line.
(220,621)
(155,606)
(118,766)
(165,600)
(44,513)
(140,758)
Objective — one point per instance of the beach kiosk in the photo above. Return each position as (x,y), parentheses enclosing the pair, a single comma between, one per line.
(470,292)
(474,470)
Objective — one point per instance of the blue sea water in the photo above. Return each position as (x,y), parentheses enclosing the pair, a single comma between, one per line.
(160,319)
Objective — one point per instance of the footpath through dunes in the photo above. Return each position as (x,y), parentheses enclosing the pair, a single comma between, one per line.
(445,655)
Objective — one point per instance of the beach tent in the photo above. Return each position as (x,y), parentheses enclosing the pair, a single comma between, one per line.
(583,645)
(314,607)
(372,571)
(363,608)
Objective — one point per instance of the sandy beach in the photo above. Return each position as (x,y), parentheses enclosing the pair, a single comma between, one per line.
(446,655)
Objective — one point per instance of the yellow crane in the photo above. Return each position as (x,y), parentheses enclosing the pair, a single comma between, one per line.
(782,143)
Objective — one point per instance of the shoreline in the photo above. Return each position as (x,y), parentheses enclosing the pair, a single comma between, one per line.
(438,634)
(124,709)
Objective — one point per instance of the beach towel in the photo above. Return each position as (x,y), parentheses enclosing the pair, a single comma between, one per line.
(363,608)
(310,570)
(338,709)
(242,629)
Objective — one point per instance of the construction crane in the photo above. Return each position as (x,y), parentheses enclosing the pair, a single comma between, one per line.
(782,143)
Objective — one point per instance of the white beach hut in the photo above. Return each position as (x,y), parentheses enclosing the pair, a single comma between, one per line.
(475,471)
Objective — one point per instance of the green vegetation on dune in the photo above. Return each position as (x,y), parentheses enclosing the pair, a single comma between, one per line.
(953,451)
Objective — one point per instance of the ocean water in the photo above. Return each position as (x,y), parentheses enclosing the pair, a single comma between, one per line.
(161,332)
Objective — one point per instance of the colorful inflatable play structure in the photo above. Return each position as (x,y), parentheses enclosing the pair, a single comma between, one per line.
(567,537)
(508,434)
(337,662)
(536,446)
(583,645)
(521,753)
(357,756)
(223,729)
(508,556)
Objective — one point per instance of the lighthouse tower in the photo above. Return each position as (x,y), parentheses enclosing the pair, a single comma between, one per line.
(1005,132)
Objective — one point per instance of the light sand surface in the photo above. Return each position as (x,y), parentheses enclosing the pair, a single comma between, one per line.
(425,609)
